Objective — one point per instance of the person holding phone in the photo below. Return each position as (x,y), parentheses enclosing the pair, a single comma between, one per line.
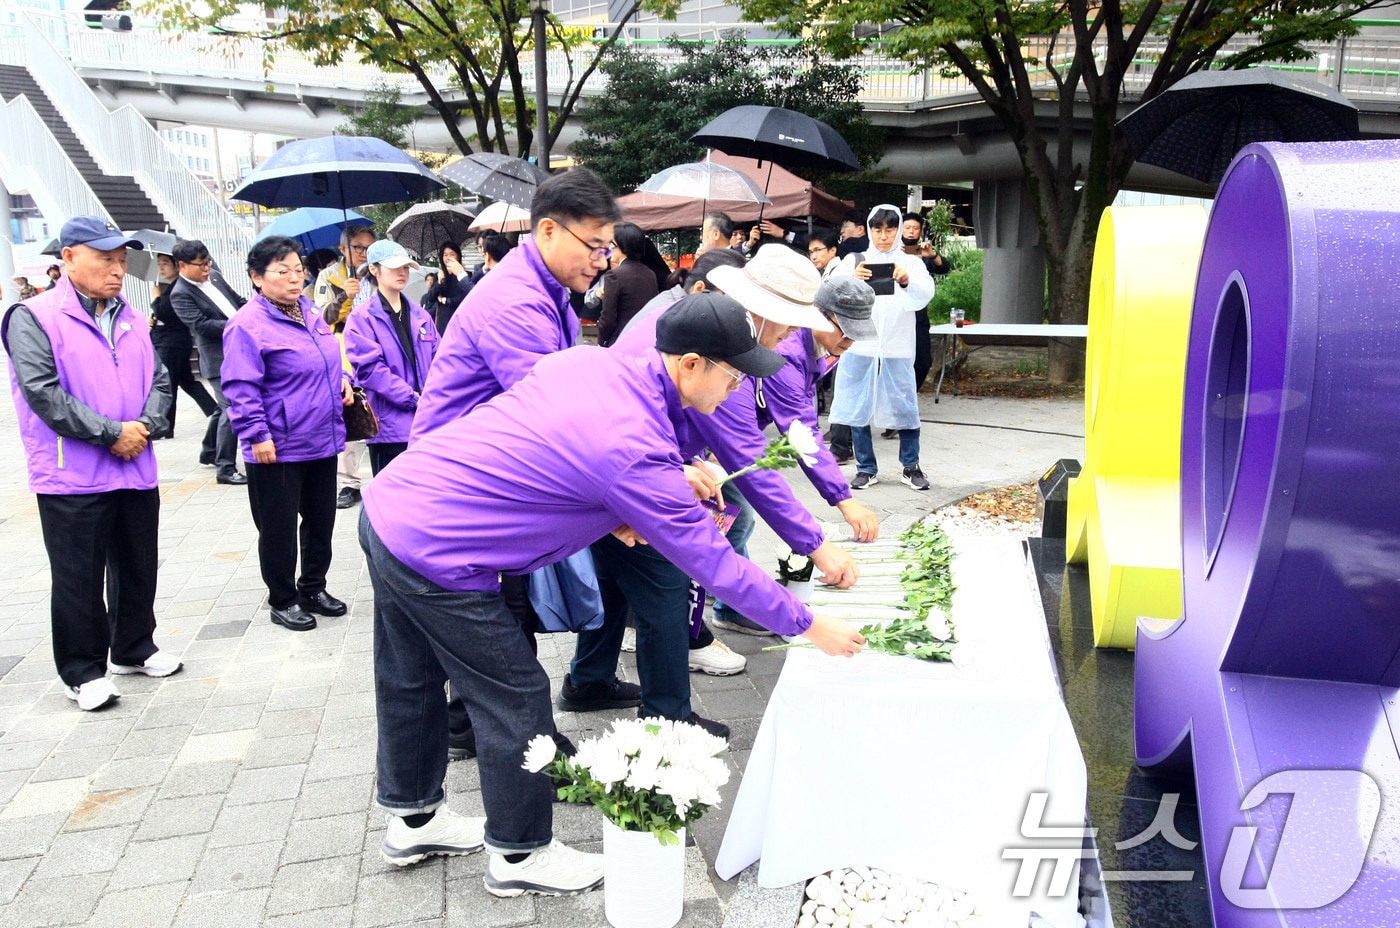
(875,382)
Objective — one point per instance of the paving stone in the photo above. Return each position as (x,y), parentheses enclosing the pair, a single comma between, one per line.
(13,873)
(341,795)
(229,869)
(242,909)
(111,807)
(142,907)
(328,762)
(7,663)
(94,731)
(42,728)
(298,697)
(468,903)
(76,853)
(131,773)
(332,836)
(198,779)
(266,784)
(408,895)
(314,885)
(63,901)
(30,836)
(25,755)
(153,743)
(237,825)
(334,917)
(11,782)
(290,722)
(147,863)
(234,629)
(168,818)
(230,718)
(274,752)
(250,694)
(221,746)
(168,715)
(46,797)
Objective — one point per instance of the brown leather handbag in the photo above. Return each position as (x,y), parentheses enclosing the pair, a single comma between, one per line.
(360,421)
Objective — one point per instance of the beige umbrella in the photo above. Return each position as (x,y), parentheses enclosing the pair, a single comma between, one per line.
(502,217)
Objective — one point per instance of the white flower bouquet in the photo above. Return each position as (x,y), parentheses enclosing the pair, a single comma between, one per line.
(796,445)
(651,775)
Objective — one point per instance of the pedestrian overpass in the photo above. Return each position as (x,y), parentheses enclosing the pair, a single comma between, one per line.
(79,103)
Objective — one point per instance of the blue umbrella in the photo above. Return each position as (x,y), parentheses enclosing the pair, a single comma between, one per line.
(338,171)
(314,226)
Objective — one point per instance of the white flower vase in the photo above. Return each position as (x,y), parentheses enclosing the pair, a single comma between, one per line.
(801,590)
(643,880)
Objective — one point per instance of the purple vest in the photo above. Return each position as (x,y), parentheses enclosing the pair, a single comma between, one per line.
(114,380)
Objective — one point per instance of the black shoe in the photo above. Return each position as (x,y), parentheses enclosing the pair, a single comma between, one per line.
(718,729)
(206,457)
(842,455)
(890,433)
(347,498)
(234,479)
(323,603)
(598,696)
(461,747)
(734,622)
(914,478)
(294,617)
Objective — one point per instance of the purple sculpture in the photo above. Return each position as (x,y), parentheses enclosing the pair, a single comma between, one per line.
(1280,681)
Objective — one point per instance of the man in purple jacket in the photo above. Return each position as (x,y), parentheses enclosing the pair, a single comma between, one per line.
(584,446)
(90,391)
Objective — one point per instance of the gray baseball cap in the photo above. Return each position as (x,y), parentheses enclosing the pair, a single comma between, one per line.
(851,301)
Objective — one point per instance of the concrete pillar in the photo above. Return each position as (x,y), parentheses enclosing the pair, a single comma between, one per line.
(1013,260)
(9,293)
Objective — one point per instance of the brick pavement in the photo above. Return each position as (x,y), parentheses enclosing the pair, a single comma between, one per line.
(240,791)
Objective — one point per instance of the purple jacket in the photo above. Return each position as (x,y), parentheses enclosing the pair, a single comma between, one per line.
(733,434)
(516,315)
(791,396)
(283,382)
(585,443)
(372,344)
(112,380)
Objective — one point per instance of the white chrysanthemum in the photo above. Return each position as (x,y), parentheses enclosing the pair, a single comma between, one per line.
(587,754)
(682,785)
(706,793)
(803,442)
(713,771)
(539,753)
(628,735)
(609,767)
(645,772)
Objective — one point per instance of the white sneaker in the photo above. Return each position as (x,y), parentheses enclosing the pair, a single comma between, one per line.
(629,640)
(446,833)
(556,870)
(717,660)
(159,664)
(93,694)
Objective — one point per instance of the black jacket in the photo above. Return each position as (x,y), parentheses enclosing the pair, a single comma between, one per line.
(205,319)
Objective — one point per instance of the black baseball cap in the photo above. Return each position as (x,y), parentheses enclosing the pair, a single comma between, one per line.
(95,232)
(716,327)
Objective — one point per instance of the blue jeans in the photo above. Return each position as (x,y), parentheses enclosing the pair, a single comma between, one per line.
(738,537)
(424,634)
(864,446)
(659,595)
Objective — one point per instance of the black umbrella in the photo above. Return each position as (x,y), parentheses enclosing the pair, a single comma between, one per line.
(142,263)
(770,133)
(424,226)
(52,248)
(338,171)
(499,177)
(1197,125)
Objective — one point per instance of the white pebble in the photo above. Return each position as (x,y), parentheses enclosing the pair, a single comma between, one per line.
(842,908)
(895,913)
(877,874)
(882,923)
(842,921)
(809,907)
(836,876)
(819,883)
(961,908)
(862,872)
(866,913)
(807,921)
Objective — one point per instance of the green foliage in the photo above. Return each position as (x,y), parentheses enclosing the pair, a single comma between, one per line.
(961,288)
(383,115)
(655,103)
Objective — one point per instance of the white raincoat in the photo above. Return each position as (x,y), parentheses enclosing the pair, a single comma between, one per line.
(875,379)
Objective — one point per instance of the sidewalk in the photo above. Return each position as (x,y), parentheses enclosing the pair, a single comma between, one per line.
(240,791)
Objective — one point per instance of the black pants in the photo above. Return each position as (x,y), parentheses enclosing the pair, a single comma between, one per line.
(86,535)
(381,453)
(278,493)
(923,349)
(176,358)
(219,441)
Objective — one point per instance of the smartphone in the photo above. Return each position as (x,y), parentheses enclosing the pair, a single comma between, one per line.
(881,278)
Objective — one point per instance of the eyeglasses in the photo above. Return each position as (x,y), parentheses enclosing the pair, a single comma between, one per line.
(818,249)
(200,264)
(595,252)
(736,376)
(297,271)
(359,249)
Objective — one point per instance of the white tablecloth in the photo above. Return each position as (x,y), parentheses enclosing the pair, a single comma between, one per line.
(917,768)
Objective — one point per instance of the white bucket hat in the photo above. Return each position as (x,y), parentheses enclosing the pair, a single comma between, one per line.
(778,284)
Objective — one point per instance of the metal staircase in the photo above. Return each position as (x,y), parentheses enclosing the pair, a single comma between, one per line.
(122,197)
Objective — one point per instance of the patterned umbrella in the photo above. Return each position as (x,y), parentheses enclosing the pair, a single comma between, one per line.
(499,177)
(1197,125)
(424,226)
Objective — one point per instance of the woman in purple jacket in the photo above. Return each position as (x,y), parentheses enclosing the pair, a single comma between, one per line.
(390,342)
(285,385)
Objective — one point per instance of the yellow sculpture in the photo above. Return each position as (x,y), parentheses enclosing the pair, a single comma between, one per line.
(1123,516)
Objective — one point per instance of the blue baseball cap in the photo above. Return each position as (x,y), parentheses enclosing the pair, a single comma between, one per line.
(95,232)
(389,254)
